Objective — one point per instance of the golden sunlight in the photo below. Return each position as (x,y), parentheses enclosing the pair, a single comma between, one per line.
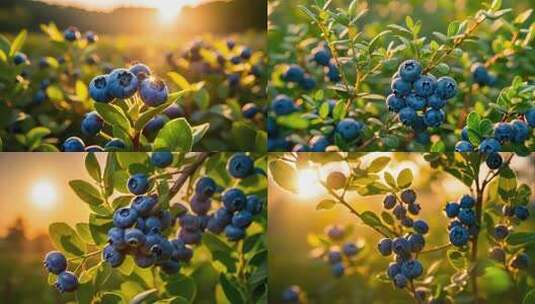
(43,194)
(308,183)
(170,9)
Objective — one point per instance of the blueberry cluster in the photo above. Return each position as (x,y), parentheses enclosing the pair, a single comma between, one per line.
(296,74)
(462,217)
(515,132)
(342,252)
(405,266)
(419,99)
(481,75)
(292,294)
(322,56)
(72,33)
(56,263)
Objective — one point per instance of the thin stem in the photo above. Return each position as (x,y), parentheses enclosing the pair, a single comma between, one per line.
(436,248)
(187,172)
(503,54)
(86,256)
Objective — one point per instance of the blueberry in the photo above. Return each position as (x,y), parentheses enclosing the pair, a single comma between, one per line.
(335,232)
(385,247)
(394,103)
(152,224)
(454,223)
(170,267)
(480,74)
(72,33)
(452,209)
(436,102)
(467,216)
(240,165)
(111,255)
(407,116)
(400,212)
(66,282)
(94,148)
(234,199)
(338,269)
(407,222)
(91,37)
(291,295)
(420,294)
(389,202)
(174,111)
(467,201)
(293,73)
(497,254)
(283,105)
(530,117)
(144,261)
(92,124)
(464,134)
(400,87)
(420,226)
(521,213)
(234,233)
(55,262)
(417,242)
(154,125)
(163,249)
(400,280)
(334,256)
(520,261)
(321,55)
(138,183)
(458,236)
(501,231)
(508,211)
(161,159)
(332,73)
(414,208)
(122,83)
(124,217)
(503,132)
(350,249)
(464,146)
(254,204)
(349,129)
(40,97)
(494,161)
(98,89)
(416,102)
(434,118)
(446,87)
(393,269)
(20,58)
(418,124)
(200,204)
(181,251)
(153,92)
(140,70)
(115,144)
(425,86)
(490,145)
(410,70)
(411,269)
(143,204)
(216,225)
(249,110)
(307,83)
(520,131)
(73,144)
(116,238)
(408,196)
(205,186)
(318,143)
(134,237)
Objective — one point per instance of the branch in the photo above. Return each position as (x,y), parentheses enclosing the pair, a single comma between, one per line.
(187,172)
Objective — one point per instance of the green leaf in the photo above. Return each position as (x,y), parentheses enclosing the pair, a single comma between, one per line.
(457,259)
(18,43)
(66,239)
(404,179)
(93,167)
(507,183)
(113,115)
(214,243)
(325,204)
(181,285)
(371,219)
(148,115)
(111,298)
(339,111)
(529,298)
(199,132)
(390,180)
(84,233)
(99,226)
(127,159)
(179,80)
(87,192)
(521,238)
(144,296)
(202,99)
(293,121)
(324,110)
(472,121)
(54,93)
(378,164)
(231,289)
(284,175)
(176,136)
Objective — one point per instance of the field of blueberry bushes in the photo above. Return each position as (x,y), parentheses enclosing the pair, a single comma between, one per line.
(72,90)
(165,228)
(401,228)
(401,76)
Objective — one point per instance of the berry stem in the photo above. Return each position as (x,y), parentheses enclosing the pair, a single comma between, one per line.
(436,248)
(187,172)
(503,54)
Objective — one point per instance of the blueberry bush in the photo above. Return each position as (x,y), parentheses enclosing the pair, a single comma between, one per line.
(370,76)
(487,236)
(73,91)
(165,228)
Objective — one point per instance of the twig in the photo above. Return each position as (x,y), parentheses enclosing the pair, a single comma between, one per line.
(187,172)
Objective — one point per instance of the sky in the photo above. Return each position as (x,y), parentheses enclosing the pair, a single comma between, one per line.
(111,4)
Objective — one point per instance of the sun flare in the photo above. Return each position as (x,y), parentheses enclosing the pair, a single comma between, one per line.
(308,183)
(43,194)
(170,9)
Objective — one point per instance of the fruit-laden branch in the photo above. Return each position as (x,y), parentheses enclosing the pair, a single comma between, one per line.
(187,172)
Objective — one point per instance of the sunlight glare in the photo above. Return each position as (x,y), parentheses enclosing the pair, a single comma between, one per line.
(43,194)
(308,183)
(170,9)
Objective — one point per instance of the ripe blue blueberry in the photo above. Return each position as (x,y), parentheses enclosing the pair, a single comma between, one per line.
(520,131)
(200,204)
(446,87)
(332,73)
(394,103)
(454,223)
(40,97)
(138,183)
(521,213)
(246,53)
(407,116)
(181,252)
(416,102)
(153,92)
(20,58)
(464,134)
(490,145)
(234,233)
(464,146)
(152,224)
(335,232)
(154,125)
(240,165)
(234,199)
(503,132)
(141,70)
(124,217)
(91,37)
(144,260)
(283,105)
(501,231)
(291,294)
(235,60)
(249,110)
(401,246)
(143,204)
(480,74)
(400,280)
(242,219)
(98,89)
(425,86)
(92,124)
(293,73)
(410,70)
(417,242)
(205,186)
(408,196)
(400,212)
(520,261)
(494,161)
(421,226)
(174,111)
(434,117)
(385,247)
(393,269)
(414,208)
(116,238)
(467,201)
(508,211)
(169,267)
(161,159)
(307,83)
(73,144)
(321,55)
(111,255)
(400,87)
(163,249)
(467,216)
(452,209)
(338,269)
(334,256)
(122,83)
(530,117)
(55,262)
(66,282)
(497,254)
(458,236)
(350,249)
(349,129)
(436,102)
(411,269)
(115,144)
(254,204)
(189,222)
(389,202)
(319,143)
(407,222)
(72,33)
